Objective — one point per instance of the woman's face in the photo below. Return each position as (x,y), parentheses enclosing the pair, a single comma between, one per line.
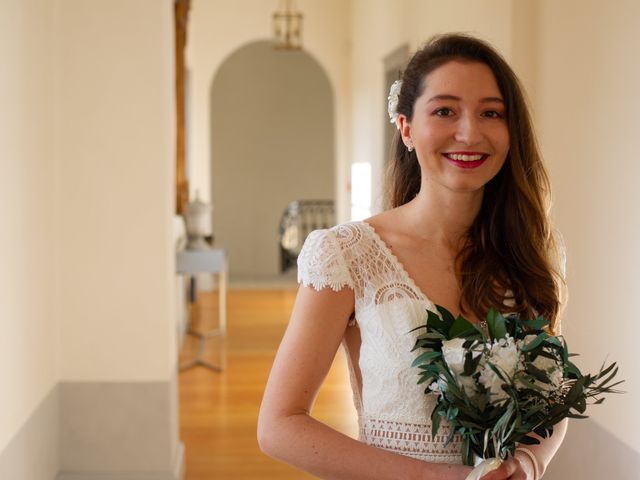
(459,129)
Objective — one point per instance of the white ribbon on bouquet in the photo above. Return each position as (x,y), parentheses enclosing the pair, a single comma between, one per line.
(483,466)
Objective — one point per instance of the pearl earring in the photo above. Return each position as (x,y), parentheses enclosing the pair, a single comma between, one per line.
(410,148)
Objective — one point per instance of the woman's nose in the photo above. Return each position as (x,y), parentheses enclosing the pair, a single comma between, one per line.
(468,130)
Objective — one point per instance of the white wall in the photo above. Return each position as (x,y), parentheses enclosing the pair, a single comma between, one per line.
(588,113)
(28,329)
(378,28)
(114,201)
(86,198)
(217,28)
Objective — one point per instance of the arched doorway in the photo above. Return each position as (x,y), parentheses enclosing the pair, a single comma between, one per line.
(272,142)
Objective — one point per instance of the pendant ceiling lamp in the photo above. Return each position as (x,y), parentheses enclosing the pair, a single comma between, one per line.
(287,27)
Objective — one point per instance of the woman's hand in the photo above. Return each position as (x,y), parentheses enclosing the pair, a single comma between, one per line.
(518,468)
(448,471)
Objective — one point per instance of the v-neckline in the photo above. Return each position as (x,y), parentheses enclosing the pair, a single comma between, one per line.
(401,268)
(398,264)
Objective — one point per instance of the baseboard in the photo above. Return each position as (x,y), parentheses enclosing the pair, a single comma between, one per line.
(33,453)
(179,467)
(113,427)
(177,473)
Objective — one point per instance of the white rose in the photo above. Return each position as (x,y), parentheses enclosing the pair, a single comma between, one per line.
(544,363)
(505,356)
(453,354)
(553,371)
(468,384)
(493,383)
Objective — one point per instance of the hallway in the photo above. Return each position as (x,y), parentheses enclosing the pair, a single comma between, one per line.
(218,411)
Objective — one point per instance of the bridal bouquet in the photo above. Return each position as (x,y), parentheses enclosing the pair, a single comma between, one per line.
(497,387)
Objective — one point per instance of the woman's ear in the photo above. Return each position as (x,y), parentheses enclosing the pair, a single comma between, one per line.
(404,126)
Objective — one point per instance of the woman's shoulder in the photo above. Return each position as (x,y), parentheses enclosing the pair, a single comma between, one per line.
(386,221)
(389,226)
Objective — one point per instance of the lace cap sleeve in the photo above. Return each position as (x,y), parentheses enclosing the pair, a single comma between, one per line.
(321,262)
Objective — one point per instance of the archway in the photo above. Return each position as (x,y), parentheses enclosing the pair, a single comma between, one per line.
(272,142)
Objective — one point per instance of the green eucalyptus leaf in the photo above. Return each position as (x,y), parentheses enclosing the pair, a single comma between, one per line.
(605,371)
(452,432)
(575,415)
(530,385)
(461,326)
(500,327)
(496,324)
(471,363)
(538,324)
(447,316)
(426,356)
(538,374)
(435,420)
(491,322)
(570,368)
(498,372)
(432,336)
(554,341)
(467,453)
(471,426)
(549,355)
(565,350)
(576,390)
(535,342)
(435,323)
(527,440)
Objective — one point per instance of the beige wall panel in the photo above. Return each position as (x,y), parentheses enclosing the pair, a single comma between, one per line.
(28,330)
(587,110)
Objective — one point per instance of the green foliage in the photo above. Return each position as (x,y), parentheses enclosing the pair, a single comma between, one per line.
(494,429)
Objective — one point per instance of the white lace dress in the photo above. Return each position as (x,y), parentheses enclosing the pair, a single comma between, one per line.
(393,410)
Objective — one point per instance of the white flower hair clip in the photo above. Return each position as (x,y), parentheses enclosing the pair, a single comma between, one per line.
(392,105)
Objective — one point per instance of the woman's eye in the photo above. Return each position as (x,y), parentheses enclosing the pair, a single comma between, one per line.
(493,114)
(443,112)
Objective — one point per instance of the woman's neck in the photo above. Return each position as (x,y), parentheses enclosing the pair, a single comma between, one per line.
(442,217)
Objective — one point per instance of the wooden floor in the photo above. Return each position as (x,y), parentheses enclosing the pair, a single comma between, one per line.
(218,411)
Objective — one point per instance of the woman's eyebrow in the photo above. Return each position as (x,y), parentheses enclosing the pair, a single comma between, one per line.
(457,99)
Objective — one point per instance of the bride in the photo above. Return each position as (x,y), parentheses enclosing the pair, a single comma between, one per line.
(468,229)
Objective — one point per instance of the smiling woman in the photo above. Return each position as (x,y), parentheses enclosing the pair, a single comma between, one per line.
(458,126)
(467,230)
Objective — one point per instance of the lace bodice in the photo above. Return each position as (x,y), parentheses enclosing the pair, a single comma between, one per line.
(393,411)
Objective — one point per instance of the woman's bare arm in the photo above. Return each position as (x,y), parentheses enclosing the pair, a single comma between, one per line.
(286,430)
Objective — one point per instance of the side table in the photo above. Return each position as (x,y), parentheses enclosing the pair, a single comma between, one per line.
(214,261)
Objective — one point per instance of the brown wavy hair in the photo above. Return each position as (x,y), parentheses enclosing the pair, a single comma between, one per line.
(510,244)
